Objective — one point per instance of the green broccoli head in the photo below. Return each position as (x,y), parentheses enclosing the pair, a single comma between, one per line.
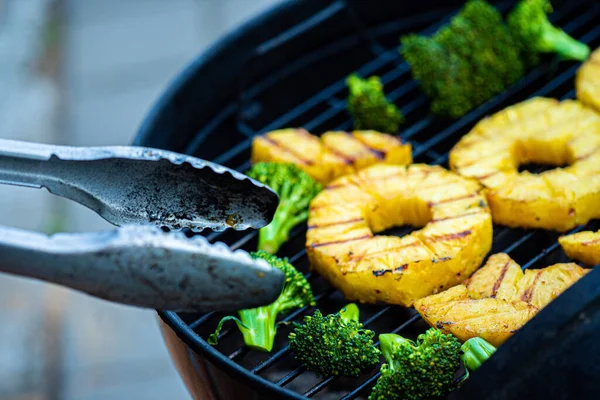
(259,325)
(335,344)
(529,22)
(443,75)
(295,189)
(467,61)
(369,107)
(420,370)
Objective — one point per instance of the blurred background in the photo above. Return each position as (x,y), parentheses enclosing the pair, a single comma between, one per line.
(85,72)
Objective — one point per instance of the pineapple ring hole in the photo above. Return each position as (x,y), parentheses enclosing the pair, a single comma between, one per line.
(398,216)
(538,155)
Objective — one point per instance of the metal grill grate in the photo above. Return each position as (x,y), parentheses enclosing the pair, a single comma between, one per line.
(431,137)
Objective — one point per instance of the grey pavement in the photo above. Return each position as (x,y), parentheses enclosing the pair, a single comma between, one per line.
(116,57)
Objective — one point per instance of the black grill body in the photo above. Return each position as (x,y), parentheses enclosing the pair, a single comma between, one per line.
(287,68)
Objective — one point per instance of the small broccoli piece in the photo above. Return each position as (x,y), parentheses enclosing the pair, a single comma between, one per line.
(295,189)
(528,22)
(420,370)
(369,107)
(335,344)
(258,325)
(475,352)
(467,61)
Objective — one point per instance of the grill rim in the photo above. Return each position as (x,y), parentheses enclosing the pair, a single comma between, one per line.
(220,360)
(184,330)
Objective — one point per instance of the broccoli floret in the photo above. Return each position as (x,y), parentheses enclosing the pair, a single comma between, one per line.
(528,21)
(475,352)
(420,370)
(335,344)
(295,189)
(443,75)
(369,107)
(258,325)
(466,62)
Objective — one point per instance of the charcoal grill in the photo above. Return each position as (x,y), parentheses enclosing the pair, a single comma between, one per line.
(287,68)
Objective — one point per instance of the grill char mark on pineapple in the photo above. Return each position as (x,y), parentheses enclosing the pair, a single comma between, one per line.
(375,253)
(528,295)
(451,236)
(377,153)
(288,150)
(314,245)
(344,157)
(456,216)
(348,221)
(452,199)
(499,280)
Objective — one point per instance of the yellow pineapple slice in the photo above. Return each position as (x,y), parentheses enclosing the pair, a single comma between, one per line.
(498,279)
(497,300)
(492,319)
(540,287)
(334,154)
(539,130)
(342,247)
(582,246)
(588,81)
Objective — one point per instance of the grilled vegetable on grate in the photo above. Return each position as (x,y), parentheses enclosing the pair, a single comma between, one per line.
(582,246)
(540,130)
(466,62)
(475,352)
(529,23)
(369,107)
(341,246)
(332,155)
(497,300)
(258,325)
(295,189)
(335,344)
(420,370)
(588,81)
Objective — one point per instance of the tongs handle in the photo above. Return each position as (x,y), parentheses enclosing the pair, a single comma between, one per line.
(143,266)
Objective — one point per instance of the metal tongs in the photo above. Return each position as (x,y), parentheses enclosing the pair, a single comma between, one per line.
(141,190)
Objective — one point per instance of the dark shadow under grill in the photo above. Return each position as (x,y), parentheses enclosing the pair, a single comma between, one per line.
(373,51)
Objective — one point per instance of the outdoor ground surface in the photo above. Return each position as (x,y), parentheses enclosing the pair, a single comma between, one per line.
(86,74)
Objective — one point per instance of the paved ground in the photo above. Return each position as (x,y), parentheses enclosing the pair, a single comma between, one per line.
(108,62)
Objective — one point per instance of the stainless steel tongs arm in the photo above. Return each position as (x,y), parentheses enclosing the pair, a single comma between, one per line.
(143,266)
(141,185)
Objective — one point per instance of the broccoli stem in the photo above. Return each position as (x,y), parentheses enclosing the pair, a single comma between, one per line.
(389,343)
(475,352)
(555,39)
(272,236)
(257,326)
(350,313)
(260,324)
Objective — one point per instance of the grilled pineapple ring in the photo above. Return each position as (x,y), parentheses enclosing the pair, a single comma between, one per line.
(588,81)
(333,154)
(457,232)
(539,130)
(497,300)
